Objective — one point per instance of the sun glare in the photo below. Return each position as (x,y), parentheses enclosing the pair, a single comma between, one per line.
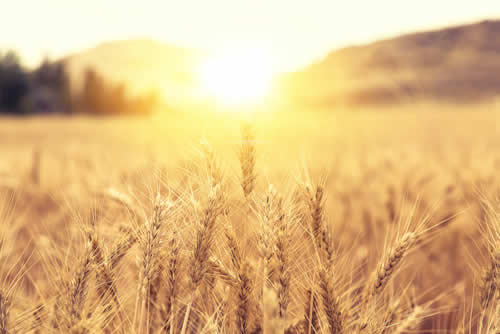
(237,78)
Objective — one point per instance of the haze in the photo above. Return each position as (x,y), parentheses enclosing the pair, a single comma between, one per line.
(297,32)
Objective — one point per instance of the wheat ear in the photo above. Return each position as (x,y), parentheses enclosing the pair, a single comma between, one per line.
(204,239)
(78,288)
(283,256)
(490,285)
(5,303)
(172,281)
(391,262)
(331,304)
(244,294)
(150,241)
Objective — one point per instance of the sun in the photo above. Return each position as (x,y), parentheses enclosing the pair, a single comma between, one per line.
(237,77)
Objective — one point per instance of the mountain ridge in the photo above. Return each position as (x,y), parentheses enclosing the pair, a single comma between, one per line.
(456,64)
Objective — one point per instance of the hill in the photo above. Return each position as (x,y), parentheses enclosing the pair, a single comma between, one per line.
(458,64)
(142,65)
(454,65)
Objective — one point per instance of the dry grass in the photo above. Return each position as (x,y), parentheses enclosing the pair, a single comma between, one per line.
(291,223)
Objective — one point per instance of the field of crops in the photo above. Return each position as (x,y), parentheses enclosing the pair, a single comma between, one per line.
(285,222)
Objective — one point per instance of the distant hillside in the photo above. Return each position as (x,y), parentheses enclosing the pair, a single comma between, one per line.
(142,65)
(458,64)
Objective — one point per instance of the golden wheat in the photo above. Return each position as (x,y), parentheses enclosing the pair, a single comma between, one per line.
(297,258)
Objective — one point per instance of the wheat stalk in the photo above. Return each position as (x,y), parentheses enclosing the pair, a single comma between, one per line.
(411,321)
(315,201)
(282,254)
(391,317)
(247,159)
(234,249)
(5,305)
(172,281)
(204,239)
(390,263)
(78,288)
(270,218)
(331,305)
(35,167)
(490,282)
(223,273)
(311,316)
(106,285)
(244,293)
(121,248)
(214,169)
(150,241)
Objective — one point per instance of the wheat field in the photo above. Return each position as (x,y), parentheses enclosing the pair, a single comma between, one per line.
(286,222)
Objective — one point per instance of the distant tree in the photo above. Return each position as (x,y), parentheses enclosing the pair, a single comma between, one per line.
(52,78)
(92,96)
(102,97)
(14,83)
(47,89)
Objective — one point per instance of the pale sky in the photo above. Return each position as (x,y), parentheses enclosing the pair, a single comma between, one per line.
(298,31)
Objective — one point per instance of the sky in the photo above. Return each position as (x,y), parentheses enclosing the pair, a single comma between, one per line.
(297,31)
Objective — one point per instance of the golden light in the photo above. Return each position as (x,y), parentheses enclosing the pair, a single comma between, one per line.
(238,77)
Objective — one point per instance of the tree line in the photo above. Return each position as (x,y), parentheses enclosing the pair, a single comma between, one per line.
(47,89)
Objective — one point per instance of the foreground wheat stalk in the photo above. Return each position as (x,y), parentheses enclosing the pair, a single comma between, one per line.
(204,239)
(390,263)
(150,241)
(5,304)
